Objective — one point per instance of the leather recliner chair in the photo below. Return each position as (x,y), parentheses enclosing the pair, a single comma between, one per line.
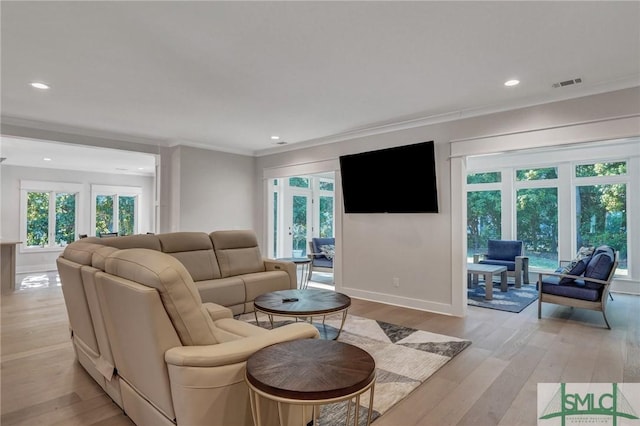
(179,361)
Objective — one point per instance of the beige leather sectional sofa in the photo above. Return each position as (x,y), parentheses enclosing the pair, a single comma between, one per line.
(226,266)
(141,329)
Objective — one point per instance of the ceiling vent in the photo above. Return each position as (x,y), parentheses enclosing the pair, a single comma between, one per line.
(567,83)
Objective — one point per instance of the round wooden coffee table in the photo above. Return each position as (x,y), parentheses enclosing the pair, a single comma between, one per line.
(307,303)
(311,372)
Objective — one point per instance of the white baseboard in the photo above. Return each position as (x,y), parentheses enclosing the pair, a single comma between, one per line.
(405,302)
(625,286)
(29,269)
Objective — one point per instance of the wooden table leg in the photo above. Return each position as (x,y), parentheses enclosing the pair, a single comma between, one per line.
(488,285)
(503,281)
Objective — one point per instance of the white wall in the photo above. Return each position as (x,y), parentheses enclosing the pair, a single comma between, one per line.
(427,251)
(215,190)
(10,209)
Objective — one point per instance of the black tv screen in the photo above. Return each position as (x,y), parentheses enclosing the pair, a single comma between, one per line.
(392,180)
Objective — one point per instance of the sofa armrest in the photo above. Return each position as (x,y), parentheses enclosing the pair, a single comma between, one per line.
(216,311)
(575,277)
(237,350)
(283,265)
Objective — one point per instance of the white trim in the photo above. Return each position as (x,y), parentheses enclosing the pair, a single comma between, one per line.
(302,169)
(606,129)
(406,302)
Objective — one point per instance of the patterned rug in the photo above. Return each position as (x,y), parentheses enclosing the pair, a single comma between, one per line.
(514,300)
(405,357)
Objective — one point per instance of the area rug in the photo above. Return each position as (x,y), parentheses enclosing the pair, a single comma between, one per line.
(405,357)
(514,300)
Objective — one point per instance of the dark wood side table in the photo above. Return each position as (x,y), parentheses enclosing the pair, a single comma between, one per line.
(305,304)
(311,372)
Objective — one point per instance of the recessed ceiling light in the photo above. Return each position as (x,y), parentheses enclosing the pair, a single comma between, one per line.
(39,85)
(275,138)
(140,168)
(510,83)
(46,159)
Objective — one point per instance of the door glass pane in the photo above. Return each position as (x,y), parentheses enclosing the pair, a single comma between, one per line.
(299,226)
(484,217)
(37,219)
(326,185)
(126,215)
(326,217)
(601,212)
(104,214)
(299,182)
(275,224)
(537,222)
(65,218)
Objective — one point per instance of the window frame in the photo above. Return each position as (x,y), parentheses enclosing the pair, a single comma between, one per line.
(51,188)
(116,192)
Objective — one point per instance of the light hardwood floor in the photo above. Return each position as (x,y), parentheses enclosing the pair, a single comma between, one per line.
(492,382)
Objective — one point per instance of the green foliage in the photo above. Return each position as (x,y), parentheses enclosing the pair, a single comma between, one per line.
(602,217)
(601,169)
(299,182)
(326,217)
(65,218)
(483,219)
(37,219)
(104,214)
(489,177)
(537,220)
(537,174)
(38,206)
(126,215)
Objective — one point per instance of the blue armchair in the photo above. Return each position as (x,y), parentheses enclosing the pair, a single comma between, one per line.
(509,253)
(585,285)
(321,253)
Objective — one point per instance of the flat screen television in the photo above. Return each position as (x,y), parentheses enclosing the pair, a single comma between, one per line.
(393,180)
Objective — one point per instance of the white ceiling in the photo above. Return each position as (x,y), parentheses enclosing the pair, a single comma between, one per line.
(228,75)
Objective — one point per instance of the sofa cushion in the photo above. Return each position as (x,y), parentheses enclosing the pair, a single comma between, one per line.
(195,251)
(317,244)
(147,241)
(177,290)
(264,282)
(599,266)
(504,249)
(223,291)
(572,290)
(237,252)
(510,264)
(80,252)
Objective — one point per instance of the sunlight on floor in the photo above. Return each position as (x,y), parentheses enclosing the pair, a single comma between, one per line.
(37,280)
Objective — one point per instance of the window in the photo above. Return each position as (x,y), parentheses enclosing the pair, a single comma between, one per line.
(537,224)
(49,212)
(484,211)
(115,209)
(601,207)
